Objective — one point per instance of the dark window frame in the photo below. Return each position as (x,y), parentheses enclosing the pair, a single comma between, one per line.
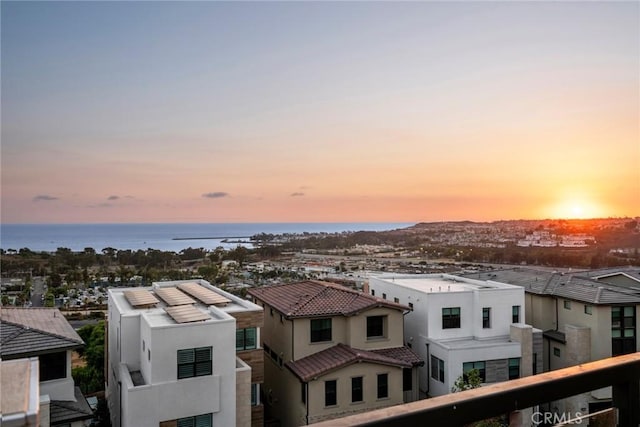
(195,421)
(437,368)
(515,314)
(376,327)
(53,366)
(407,379)
(320,329)
(357,390)
(243,336)
(199,365)
(330,393)
(486,317)
(514,368)
(479,365)
(382,386)
(451,317)
(623,330)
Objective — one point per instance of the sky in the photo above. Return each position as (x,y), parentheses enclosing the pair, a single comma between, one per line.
(319,111)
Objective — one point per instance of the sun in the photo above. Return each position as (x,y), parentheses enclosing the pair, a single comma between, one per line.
(577,211)
(574,208)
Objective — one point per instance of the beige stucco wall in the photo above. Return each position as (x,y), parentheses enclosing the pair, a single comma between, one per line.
(243,394)
(317,410)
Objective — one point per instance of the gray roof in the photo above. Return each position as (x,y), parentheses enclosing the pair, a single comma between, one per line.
(576,286)
(24,332)
(64,411)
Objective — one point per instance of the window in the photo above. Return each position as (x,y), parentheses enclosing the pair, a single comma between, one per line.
(53,366)
(281,318)
(623,330)
(384,296)
(149,354)
(383,386)
(356,389)
(254,394)
(588,309)
(479,366)
(556,351)
(330,393)
(486,317)
(271,311)
(515,314)
(245,339)
(437,369)
(411,305)
(407,379)
(320,330)
(204,420)
(194,362)
(373,292)
(450,317)
(567,304)
(514,368)
(396,300)
(376,326)
(143,348)
(303,392)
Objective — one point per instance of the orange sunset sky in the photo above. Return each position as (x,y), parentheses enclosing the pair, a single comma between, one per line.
(319,111)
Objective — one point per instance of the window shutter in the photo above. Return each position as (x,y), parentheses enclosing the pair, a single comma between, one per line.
(186,356)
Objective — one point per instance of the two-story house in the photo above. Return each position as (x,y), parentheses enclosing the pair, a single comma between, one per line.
(331,351)
(44,333)
(585,316)
(171,360)
(457,325)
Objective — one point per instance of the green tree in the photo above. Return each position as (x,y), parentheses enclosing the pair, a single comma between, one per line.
(471,380)
(90,378)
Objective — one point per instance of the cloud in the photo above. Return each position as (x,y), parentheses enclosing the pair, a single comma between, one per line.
(297,194)
(113,197)
(215,195)
(44,197)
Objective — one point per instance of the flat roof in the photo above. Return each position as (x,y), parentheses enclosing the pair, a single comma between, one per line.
(434,283)
(470,343)
(161,314)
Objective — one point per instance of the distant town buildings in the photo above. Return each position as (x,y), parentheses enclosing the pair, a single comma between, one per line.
(332,351)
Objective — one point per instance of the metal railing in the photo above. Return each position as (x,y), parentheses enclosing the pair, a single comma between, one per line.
(621,372)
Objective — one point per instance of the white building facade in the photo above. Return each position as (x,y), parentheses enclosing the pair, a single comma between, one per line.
(171,360)
(461,324)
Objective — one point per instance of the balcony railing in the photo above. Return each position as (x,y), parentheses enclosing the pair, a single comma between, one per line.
(622,373)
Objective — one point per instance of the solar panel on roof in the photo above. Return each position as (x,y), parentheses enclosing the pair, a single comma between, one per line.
(206,296)
(186,314)
(173,296)
(141,298)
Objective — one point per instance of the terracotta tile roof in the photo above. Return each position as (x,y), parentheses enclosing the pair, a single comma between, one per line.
(401,353)
(316,298)
(339,356)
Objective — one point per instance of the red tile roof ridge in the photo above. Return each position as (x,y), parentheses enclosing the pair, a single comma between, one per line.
(342,355)
(310,298)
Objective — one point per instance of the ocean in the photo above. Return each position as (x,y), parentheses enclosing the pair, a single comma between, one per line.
(165,237)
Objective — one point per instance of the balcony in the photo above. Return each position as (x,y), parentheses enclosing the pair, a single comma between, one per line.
(622,373)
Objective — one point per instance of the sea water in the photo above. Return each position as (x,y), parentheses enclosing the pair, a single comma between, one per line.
(165,237)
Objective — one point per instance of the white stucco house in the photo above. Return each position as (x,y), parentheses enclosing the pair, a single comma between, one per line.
(460,324)
(171,357)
